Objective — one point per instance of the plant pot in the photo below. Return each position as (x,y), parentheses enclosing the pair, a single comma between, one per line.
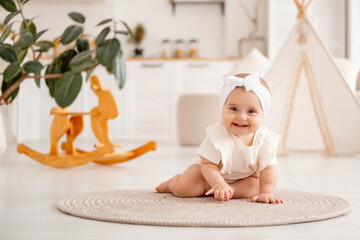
(138,52)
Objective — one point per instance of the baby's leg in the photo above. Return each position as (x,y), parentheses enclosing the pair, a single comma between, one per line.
(190,183)
(247,187)
(163,187)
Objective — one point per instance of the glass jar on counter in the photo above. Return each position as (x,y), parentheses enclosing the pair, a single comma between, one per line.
(193,48)
(166,48)
(179,48)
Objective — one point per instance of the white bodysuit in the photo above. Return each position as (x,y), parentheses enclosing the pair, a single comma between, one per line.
(237,160)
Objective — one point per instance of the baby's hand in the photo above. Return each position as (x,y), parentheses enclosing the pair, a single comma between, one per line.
(222,191)
(266,198)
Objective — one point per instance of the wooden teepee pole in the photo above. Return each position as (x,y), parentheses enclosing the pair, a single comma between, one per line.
(302,7)
(319,111)
(303,63)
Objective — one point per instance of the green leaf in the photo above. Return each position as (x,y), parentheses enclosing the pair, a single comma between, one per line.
(37,81)
(6,85)
(77,17)
(104,21)
(119,70)
(107,51)
(43,49)
(64,59)
(128,29)
(44,46)
(44,43)
(102,35)
(7,53)
(109,69)
(30,27)
(25,40)
(11,71)
(70,34)
(81,57)
(32,67)
(82,45)
(9,5)
(10,16)
(88,63)
(21,54)
(50,82)
(89,73)
(123,32)
(6,33)
(67,88)
(38,35)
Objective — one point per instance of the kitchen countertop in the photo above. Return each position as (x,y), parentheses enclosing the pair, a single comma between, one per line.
(181,59)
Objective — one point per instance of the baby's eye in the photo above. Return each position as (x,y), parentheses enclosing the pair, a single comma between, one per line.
(233,109)
(251,111)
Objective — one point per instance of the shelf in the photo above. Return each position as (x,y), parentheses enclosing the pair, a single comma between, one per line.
(184,59)
(220,2)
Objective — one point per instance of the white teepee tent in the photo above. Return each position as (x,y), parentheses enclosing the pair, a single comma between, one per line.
(312,105)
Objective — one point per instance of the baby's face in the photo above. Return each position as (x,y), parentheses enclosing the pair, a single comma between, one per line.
(242,113)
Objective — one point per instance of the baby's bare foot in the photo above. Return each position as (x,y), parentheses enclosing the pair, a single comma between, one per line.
(163,187)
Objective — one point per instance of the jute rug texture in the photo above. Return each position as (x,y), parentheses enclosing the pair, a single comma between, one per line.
(151,208)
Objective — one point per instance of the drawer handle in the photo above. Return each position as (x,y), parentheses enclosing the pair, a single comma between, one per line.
(203,65)
(149,65)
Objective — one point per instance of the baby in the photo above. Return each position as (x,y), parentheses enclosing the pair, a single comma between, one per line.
(237,159)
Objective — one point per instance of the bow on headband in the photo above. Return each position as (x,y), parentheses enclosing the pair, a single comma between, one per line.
(251,83)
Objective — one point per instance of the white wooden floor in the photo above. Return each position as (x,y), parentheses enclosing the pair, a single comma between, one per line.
(29,192)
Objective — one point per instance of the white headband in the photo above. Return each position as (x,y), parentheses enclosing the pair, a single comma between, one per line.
(251,83)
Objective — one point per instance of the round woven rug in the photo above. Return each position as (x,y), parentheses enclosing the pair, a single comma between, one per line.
(151,208)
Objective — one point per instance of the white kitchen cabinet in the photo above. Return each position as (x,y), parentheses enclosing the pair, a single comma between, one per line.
(202,77)
(150,99)
(197,77)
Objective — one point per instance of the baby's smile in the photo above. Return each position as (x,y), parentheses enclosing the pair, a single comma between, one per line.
(240,125)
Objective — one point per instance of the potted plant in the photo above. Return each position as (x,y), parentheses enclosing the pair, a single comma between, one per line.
(137,37)
(63,74)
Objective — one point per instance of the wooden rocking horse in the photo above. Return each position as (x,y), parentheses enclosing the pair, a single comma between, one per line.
(72,123)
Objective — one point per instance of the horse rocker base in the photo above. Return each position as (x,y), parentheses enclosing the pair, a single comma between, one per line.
(72,124)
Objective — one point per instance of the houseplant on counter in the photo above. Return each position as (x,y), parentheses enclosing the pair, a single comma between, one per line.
(63,74)
(137,37)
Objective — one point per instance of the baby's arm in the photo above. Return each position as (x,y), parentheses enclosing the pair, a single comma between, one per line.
(268,179)
(210,171)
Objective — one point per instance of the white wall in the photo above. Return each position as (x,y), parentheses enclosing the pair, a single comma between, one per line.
(216,33)
(238,25)
(52,14)
(354,29)
(328,17)
(202,22)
